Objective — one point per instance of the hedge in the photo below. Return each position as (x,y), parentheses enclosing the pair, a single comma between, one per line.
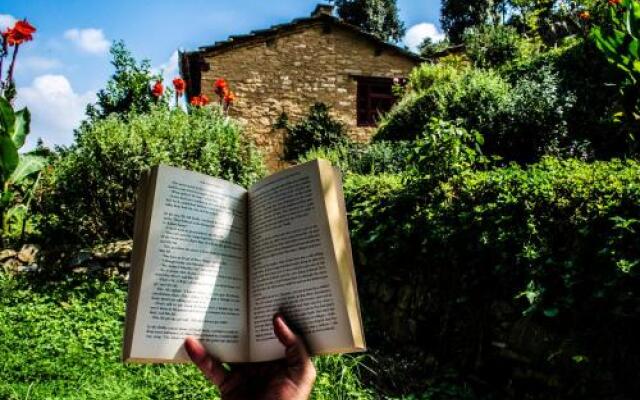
(508,270)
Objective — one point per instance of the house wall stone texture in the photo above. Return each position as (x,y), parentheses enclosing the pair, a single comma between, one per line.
(292,71)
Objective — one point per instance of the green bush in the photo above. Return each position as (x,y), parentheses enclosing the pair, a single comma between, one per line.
(494,267)
(491,46)
(479,97)
(365,158)
(89,194)
(520,120)
(317,129)
(583,77)
(537,116)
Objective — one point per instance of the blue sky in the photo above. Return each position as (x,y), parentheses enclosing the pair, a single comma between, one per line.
(61,70)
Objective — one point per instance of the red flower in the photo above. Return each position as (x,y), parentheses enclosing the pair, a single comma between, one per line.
(585,16)
(221,87)
(21,32)
(158,89)
(229,97)
(179,85)
(614,2)
(199,101)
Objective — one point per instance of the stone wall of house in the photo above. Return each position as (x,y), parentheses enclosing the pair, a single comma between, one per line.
(293,71)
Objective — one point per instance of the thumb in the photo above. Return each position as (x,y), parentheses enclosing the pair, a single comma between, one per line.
(296,353)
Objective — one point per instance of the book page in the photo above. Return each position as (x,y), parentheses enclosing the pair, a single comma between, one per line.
(293,266)
(194,273)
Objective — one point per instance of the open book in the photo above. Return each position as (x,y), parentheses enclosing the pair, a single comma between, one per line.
(216,261)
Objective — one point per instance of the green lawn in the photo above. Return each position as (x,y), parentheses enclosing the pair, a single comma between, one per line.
(62,341)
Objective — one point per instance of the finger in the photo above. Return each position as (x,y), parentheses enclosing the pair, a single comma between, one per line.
(296,353)
(210,367)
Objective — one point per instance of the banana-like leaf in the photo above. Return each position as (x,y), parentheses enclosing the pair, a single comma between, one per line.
(7,118)
(29,164)
(633,20)
(21,127)
(9,157)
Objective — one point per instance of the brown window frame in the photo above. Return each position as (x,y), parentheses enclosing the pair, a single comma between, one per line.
(369,97)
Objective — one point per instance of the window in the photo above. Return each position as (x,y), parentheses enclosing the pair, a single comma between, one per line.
(375,97)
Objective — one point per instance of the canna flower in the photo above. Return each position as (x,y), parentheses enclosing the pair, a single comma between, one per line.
(179,85)
(585,16)
(221,87)
(614,2)
(21,32)
(220,84)
(229,98)
(199,101)
(158,89)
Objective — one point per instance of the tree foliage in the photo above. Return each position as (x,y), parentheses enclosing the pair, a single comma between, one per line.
(378,17)
(89,194)
(458,15)
(129,86)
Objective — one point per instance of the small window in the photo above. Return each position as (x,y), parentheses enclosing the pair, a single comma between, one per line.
(375,97)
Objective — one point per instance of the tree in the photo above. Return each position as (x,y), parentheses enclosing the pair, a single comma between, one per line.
(129,88)
(458,15)
(378,17)
(428,48)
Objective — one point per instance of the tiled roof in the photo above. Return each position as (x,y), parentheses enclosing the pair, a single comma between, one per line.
(239,40)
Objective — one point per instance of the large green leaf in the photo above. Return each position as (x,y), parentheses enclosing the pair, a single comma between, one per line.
(8,156)
(7,118)
(21,127)
(29,164)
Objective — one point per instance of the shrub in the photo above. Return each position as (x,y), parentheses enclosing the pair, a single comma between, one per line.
(317,129)
(521,120)
(536,121)
(580,73)
(493,267)
(445,150)
(478,97)
(89,193)
(365,158)
(491,46)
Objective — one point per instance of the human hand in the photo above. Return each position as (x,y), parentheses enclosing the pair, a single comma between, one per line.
(291,378)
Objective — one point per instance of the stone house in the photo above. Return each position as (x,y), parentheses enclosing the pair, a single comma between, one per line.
(289,67)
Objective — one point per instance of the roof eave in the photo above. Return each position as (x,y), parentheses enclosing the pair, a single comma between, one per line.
(236,41)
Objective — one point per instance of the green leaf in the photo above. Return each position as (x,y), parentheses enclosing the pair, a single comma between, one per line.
(29,164)
(6,198)
(7,118)
(551,312)
(21,127)
(9,157)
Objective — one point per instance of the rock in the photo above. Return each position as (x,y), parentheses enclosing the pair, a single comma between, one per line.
(25,269)
(28,253)
(116,250)
(11,265)
(7,253)
(80,258)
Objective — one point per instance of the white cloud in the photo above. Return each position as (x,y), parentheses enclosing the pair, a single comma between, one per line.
(37,64)
(90,40)
(417,33)
(56,110)
(169,69)
(6,21)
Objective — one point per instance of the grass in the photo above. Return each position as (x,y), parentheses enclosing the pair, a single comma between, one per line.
(63,340)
